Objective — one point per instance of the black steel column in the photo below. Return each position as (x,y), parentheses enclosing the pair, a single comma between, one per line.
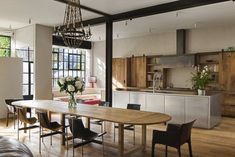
(108,59)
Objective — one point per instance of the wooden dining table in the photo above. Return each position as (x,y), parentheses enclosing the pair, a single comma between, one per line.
(116,115)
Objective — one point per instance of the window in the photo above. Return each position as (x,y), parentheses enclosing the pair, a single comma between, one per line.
(28,70)
(5,46)
(68,62)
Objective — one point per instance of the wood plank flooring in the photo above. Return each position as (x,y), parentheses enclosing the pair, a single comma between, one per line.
(218,142)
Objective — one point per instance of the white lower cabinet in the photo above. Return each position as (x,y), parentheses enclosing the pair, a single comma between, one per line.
(182,108)
(121,99)
(197,108)
(138,98)
(155,103)
(175,107)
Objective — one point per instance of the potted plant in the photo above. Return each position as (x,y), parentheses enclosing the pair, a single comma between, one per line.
(200,79)
(71,86)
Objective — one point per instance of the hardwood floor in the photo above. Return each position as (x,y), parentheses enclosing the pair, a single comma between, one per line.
(218,142)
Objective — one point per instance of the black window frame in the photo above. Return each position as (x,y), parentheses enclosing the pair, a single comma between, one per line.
(62,65)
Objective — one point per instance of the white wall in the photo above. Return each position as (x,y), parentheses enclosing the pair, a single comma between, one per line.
(42,60)
(10,81)
(198,40)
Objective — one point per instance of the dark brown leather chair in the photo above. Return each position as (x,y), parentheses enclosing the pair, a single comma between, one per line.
(53,127)
(13,148)
(174,136)
(129,127)
(84,134)
(100,122)
(22,116)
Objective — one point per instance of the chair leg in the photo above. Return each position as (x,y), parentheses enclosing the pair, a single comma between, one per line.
(134,135)
(51,139)
(114,132)
(42,134)
(82,147)
(153,147)
(73,136)
(7,119)
(103,144)
(190,148)
(18,121)
(179,152)
(166,151)
(40,139)
(29,134)
(14,120)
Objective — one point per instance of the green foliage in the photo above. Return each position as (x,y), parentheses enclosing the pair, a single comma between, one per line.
(5,45)
(201,78)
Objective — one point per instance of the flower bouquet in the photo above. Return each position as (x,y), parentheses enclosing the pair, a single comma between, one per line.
(71,85)
(200,79)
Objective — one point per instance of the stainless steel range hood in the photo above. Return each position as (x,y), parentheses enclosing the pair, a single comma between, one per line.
(181,59)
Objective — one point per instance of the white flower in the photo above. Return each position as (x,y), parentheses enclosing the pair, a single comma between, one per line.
(69,78)
(62,81)
(203,71)
(78,84)
(71,88)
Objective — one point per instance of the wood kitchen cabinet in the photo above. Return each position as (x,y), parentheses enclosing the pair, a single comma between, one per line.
(138,72)
(120,72)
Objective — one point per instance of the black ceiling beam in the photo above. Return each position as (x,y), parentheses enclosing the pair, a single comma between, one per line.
(163,8)
(153,10)
(83,7)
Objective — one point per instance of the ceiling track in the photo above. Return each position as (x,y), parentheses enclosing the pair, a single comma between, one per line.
(148,11)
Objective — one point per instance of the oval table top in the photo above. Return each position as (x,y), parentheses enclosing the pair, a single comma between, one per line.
(117,115)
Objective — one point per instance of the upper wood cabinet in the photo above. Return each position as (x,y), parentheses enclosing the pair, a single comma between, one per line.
(120,72)
(138,72)
(129,72)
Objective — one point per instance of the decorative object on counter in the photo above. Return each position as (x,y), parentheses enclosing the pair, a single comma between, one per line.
(201,78)
(92,80)
(71,86)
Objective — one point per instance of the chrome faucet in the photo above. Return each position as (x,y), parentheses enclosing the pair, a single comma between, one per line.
(155,79)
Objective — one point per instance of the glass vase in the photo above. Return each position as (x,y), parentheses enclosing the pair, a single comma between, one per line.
(72,101)
(201,92)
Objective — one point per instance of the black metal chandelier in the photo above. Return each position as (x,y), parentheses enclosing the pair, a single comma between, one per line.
(73,31)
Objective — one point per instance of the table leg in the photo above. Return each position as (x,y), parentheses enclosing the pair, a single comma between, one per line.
(121,139)
(88,124)
(144,135)
(63,129)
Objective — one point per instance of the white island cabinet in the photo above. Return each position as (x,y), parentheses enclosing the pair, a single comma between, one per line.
(175,107)
(182,108)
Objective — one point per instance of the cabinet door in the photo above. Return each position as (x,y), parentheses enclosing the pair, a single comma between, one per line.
(121,99)
(138,72)
(197,108)
(155,103)
(138,98)
(175,107)
(120,67)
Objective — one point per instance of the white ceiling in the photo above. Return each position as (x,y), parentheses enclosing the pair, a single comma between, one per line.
(49,12)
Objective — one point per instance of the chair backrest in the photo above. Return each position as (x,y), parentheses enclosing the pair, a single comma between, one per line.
(133,106)
(185,131)
(104,103)
(76,127)
(44,120)
(28,97)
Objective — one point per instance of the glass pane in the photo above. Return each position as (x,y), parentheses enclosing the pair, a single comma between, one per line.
(5,42)
(66,57)
(32,78)
(61,65)
(66,73)
(83,66)
(61,74)
(25,67)
(66,65)
(55,74)
(32,89)
(61,57)
(55,56)
(31,56)
(25,79)
(70,73)
(32,67)
(25,90)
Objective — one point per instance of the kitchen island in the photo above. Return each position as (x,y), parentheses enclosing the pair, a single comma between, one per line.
(181,106)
